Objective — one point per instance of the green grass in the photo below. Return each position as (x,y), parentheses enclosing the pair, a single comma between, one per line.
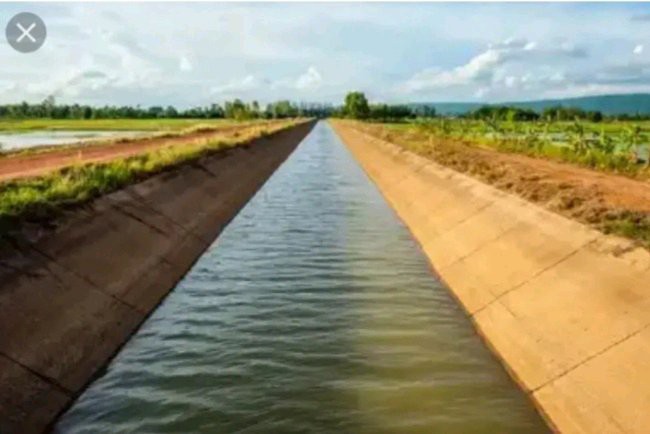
(178,130)
(42,198)
(620,147)
(26,125)
(631,225)
(614,127)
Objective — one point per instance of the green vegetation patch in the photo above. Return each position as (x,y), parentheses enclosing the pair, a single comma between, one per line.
(194,128)
(42,198)
(452,143)
(620,147)
(634,225)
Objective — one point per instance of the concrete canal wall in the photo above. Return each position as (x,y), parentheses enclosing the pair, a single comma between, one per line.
(71,296)
(566,308)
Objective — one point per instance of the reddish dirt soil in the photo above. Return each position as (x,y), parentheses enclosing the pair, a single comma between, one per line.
(24,165)
(590,196)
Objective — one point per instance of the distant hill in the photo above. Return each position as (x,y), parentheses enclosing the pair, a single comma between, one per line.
(630,104)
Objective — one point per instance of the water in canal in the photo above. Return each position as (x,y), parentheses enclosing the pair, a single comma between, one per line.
(314,312)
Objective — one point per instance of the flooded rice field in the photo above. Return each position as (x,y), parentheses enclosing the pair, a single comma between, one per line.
(21,140)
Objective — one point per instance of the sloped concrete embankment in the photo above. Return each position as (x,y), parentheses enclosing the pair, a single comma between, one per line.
(566,308)
(71,296)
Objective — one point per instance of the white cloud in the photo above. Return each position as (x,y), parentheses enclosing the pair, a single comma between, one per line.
(638,49)
(124,59)
(309,80)
(569,49)
(530,46)
(70,84)
(246,84)
(481,92)
(303,51)
(184,64)
(479,69)
(512,86)
(505,65)
(8,86)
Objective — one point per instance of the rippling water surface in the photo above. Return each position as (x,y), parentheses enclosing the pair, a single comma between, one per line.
(314,312)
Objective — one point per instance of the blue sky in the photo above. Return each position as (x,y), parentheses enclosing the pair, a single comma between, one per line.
(193,54)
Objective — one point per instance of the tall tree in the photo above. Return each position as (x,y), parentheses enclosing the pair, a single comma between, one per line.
(356,105)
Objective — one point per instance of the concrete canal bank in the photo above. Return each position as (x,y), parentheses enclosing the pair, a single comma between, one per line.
(314,312)
(563,306)
(70,296)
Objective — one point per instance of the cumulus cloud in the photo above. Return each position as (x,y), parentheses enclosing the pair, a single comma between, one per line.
(70,84)
(480,68)
(510,81)
(124,60)
(122,65)
(513,85)
(488,66)
(482,92)
(243,85)
(309,80)
(107,53)
(569,50)
(530,46)
(184,64)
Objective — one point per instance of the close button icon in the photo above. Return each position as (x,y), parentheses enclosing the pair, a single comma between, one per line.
(26,32)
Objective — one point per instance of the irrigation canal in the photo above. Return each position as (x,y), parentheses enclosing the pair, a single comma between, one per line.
(314,312)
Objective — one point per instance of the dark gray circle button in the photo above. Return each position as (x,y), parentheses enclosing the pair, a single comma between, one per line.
(26,32)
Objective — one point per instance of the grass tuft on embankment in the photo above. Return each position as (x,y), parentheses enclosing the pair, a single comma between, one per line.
(632,225)
(42,198)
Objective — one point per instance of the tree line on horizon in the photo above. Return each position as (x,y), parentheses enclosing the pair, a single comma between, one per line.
(355,106)
(235,109)
(555,113)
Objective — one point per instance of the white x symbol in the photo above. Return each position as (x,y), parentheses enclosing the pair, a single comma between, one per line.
(26,32)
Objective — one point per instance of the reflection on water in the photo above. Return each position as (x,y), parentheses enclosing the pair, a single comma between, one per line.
(9,141)
(314,312)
